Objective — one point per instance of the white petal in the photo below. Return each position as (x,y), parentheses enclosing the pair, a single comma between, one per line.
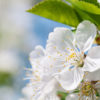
(52,96)
(48,89)
(43,85)
(91,64)
(22,99)
(93,76)
(69,80)
(92,61)
(27,91)
(72,97)
(60,39)
(36,54)
(85,35)
(94,52)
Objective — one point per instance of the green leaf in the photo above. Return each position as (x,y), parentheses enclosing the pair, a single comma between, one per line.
(56,10)
(86,16)
(85,6)
(62,95)
(97,94)
(76,91)
(95,2)
(6,79)
(96,18)
(89,16)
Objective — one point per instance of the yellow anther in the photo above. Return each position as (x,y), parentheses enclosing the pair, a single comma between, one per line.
(54,47)
(36,71)
(59,85)
(51,66)
(67,91)
(38,53)
(38,77)
(62,40)
(60,54)
(49,56)
(72,49)
(72,55)
(59,70)
(66,59)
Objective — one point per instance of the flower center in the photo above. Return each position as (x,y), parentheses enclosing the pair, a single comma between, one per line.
(80,63)
(76,59)
(88,89)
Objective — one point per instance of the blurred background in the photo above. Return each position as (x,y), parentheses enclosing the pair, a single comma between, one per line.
(20,32)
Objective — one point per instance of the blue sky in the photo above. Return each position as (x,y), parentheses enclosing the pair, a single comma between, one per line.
(42,27)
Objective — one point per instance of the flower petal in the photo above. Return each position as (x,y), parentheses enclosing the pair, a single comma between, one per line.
(69,80)
(93,76)
(52,96)
(94,52)
(92,61)
(85,35)
(49,88)
(36,54)
(72,97)
(27,91)
(59,40)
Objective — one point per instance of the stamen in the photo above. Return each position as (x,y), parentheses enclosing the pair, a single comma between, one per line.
(88,90)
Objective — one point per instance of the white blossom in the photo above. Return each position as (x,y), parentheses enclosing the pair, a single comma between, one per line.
(27,92)
(89,88)
(72,97)
(41,81)
(67,53)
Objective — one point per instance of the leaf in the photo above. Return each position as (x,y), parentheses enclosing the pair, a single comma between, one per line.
(95,2)
(96,18)
(76,91)
(62,95)
(89,16)
(85,6)
(56,10)
(86,16)
(6,79)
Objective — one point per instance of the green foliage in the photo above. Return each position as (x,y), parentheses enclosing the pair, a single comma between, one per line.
(56,10)
(95,2)
(62,95)
(6,79)
(70,13)
(76,91)
(88,16)
(87,11)
(85,6)
(97,94)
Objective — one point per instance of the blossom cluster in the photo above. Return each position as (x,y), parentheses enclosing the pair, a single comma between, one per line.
(68,62)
